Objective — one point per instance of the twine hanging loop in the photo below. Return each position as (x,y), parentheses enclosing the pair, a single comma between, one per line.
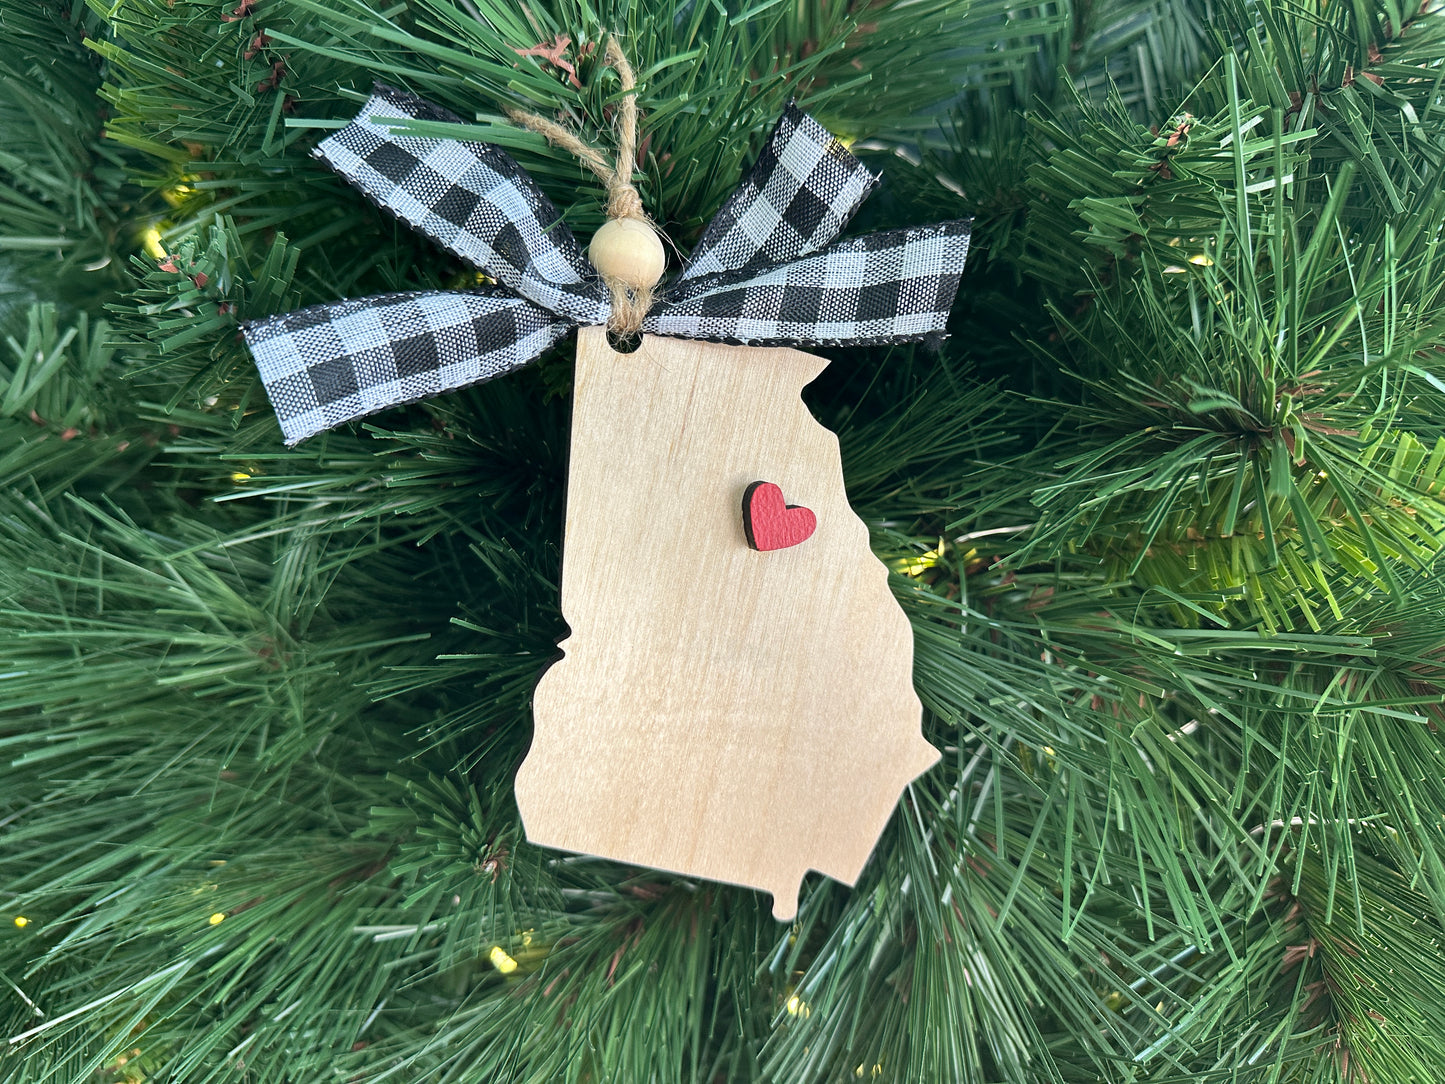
(627,251)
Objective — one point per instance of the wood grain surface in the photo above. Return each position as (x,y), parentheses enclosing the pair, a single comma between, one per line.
(720,712)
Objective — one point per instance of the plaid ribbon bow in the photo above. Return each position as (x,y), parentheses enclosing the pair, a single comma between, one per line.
(761,275)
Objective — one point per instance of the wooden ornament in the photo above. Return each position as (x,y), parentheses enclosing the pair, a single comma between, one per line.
(720,712)
(772,525)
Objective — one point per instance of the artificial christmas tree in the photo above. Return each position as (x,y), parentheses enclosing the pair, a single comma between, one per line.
(1164,513)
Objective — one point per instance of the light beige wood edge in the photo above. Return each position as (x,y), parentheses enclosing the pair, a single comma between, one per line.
(720,712)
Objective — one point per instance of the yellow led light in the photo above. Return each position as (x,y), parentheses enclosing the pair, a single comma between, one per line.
(501,961)
(798,1007)
(21,921)
(917,566)
(151,242)
(240,476)
(218,918)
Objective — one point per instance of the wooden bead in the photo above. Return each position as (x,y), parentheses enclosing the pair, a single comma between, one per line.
(630,251)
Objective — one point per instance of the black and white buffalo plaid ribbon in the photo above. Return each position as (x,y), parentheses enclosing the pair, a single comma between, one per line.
(765,273)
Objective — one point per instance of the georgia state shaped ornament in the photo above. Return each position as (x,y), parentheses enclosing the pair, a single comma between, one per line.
(724,711)
(735,701)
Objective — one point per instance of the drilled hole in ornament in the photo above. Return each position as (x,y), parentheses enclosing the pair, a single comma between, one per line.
(624,344)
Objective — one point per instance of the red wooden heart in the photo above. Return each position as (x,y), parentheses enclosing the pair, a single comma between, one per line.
(772,525)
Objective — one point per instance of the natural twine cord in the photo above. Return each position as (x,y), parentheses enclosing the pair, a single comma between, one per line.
(629,302)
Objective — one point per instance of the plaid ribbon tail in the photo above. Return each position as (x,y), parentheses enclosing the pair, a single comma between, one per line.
(471,198)
(800,194)
(334,363)
(891,287)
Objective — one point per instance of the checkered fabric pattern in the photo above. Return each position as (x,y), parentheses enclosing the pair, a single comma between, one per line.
(882,288)
(333,363)
(472,199)
(799,196)
(764,272)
